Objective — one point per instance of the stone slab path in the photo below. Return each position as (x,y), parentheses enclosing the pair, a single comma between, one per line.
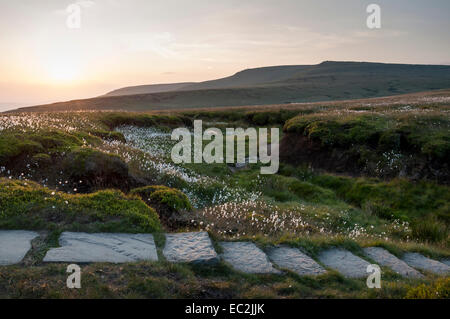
(190,247)
(345,262)
(384,258)
(419,261)
(103,247)
(296,261)
(247,257)
(197,247)
(14,245)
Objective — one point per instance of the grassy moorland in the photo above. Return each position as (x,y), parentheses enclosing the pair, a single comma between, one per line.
(327,81)
(356,174)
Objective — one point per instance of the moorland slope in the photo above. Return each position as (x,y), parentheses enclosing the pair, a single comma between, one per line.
(326,81)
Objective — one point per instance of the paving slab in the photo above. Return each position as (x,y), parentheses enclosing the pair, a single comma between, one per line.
(345,262)
(294,260)
(103,247)
(14,245)
(385,258)
(195,247)
(247,257)
(419,261)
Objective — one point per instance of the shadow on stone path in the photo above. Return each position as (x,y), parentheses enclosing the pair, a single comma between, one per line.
(385,258)
(197,247)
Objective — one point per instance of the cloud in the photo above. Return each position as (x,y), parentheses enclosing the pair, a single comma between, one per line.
(159,43)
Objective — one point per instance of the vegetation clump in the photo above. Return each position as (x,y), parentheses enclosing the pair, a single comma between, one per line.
(437,290)
(95,168)
(382,145)
(170,203)
(14,145)
(27,205)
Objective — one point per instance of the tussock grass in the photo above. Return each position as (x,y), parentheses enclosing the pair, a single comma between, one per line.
(27,205)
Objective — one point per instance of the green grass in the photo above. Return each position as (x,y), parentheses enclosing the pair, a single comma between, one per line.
(440,289)
(26,205)
(397,198)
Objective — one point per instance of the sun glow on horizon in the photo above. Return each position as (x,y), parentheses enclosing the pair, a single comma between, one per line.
(62,71)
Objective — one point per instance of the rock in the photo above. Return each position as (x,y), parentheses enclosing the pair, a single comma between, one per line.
(345,262)
(421,262)
(103,247)
(384,258)
(190,248)
(240,166)
(14,245)
(296,261)
(247,257)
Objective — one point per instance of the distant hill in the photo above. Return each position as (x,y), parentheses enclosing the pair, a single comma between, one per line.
(152,88)
(253,77)
(275,85)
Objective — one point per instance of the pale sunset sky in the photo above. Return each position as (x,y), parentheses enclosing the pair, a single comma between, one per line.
(133,42)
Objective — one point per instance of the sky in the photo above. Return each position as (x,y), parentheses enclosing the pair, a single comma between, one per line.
(134,42)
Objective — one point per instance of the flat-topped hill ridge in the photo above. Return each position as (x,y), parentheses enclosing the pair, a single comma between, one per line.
(326,81)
